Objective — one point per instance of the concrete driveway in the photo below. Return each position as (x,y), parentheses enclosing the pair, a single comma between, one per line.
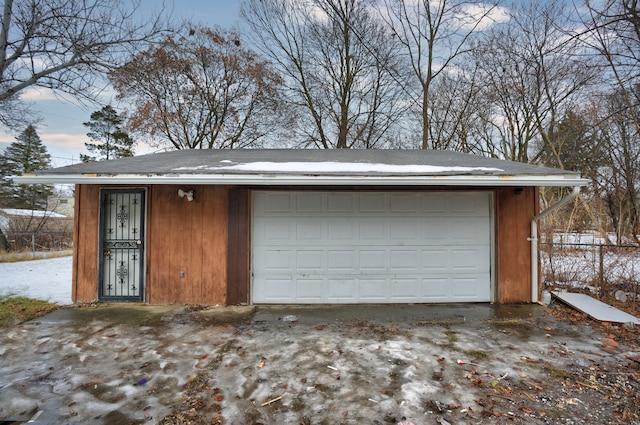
(456,364)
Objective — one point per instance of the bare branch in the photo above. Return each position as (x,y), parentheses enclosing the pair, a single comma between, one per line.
(68,45)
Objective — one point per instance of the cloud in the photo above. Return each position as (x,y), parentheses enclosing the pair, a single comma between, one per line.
(35,94)
(482,16)
(465,16)
(64,148)
(304,8)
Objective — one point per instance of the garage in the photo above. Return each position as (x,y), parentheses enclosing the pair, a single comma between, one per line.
(301,226)
(344,247)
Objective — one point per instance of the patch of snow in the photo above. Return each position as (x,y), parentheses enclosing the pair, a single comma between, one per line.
(48,280)
(415,392)
(4,223)
(31,213)
(337,167)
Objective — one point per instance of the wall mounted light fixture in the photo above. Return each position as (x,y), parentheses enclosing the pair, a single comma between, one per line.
(187,193)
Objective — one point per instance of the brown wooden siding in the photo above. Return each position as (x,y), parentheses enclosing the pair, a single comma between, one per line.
(238,260)
(514,211)
(209,240)
(186,245)
(181,236)
(85,264)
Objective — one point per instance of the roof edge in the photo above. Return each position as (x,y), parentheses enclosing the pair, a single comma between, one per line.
(306,180)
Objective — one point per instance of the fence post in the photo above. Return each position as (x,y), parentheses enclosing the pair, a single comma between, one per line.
(601,270)
(33,245)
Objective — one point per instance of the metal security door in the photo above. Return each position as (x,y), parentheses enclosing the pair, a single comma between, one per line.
(122,245)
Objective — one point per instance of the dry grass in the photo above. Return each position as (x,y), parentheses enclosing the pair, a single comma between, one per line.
(13,257)
(14,310)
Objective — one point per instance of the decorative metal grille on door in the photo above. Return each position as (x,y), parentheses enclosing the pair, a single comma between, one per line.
(122,245)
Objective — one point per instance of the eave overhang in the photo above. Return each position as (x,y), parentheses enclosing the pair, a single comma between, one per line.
(561,180)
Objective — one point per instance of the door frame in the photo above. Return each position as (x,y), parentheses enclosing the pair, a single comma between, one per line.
(142,266)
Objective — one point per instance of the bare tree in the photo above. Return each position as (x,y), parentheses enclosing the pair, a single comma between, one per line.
(612,30)
(435,36)
(619,166)
(340,65)
(455,109)
(203,89)
(65,45)
(531,72)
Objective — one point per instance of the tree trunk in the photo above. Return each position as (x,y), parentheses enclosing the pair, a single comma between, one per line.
(425,117)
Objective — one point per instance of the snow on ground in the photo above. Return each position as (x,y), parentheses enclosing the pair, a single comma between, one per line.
(580,267)
(48,279)
(31,213)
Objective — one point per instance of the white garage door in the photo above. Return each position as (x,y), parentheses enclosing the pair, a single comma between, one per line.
(365,247)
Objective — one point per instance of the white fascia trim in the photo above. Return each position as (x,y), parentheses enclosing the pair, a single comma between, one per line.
(302,180)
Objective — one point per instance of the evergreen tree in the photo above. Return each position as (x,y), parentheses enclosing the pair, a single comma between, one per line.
(5,183)
(111,141)
(26,155)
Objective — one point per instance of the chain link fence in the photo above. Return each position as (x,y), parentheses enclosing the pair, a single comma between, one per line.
(39,241)
(588,264)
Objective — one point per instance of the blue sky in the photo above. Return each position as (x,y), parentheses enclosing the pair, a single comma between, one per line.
(61,128)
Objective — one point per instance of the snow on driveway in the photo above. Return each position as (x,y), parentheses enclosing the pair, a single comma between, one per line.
(48,279)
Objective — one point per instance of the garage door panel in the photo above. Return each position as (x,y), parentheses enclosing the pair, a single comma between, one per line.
(434,204)
(309,231)
(468,204)
(342,290)
(340,202)
(403,203)
(277,289)
(405,290)
(468,231)
(371,203)
(309,203)
(327,247)
(339,231)
(341,261)
(373,260)
(465,289)
(470,260)
(275,202)
(403,260)
(371,230)
(436,260)
(277,261)
(310,260)
(434,289)
(310,290)
(275,230)
(373,290)
(435,231)
(403,231)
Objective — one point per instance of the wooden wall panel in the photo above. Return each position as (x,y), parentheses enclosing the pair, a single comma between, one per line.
(214,246)
(85,244)
(513,249)
(186,245)
(238,267)
(161,287)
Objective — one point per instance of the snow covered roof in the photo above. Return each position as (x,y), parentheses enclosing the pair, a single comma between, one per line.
(309,167)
